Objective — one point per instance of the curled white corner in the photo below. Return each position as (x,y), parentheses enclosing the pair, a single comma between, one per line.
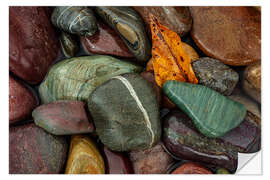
(249,163)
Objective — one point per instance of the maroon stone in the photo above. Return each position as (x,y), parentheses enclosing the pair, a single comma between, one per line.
(116,162)
(151,161)
(105,41)
(33,44)
(34,151)
(21,101)
(229,34)
(64,117)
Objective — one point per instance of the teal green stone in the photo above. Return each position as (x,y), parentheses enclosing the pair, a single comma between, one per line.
(76,78)
(212,113)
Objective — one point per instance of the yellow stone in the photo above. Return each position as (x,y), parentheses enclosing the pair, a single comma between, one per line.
(84,157)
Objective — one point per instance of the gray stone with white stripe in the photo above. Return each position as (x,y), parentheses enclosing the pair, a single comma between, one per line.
(126,113)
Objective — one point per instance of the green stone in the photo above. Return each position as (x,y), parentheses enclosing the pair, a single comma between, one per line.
(76,78)
(222,171)
(212,113)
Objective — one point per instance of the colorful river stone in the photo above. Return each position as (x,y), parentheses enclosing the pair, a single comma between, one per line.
(222,171)
(126,113)
(69,44)
(34,151)
(64,117)
(76,78)
(215,75)
(106,41)
(191,168)
(154,160)
(212,113)
(183,141)
(22,101)
(229,34)
(78,20)
(129,25)
(84,157)
(33,44)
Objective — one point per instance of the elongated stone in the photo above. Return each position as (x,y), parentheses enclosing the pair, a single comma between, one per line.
(33,44)
(183,141)
(69,44)
(213,114)
(63,118)
(76,78)
(34,151)
(78,20)
(129,25)
(21,101)
(116,162)
(126,113)
(106,41)
(84,157)
(215,75)
(191,168)
(151,161)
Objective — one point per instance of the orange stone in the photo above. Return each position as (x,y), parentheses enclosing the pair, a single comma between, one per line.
(191,168)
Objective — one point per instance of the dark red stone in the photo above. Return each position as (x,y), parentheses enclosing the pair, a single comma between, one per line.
(64,117)
(229,34)
(191,168)
(33,44)
(116,162)
(21,101)
(105,41)
(34,151)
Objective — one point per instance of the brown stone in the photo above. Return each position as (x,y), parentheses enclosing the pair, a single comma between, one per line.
(252,81)
(191,168)
(33,44)
(151,161)
(177,19)
(21,101)
(229,34)
(105,41)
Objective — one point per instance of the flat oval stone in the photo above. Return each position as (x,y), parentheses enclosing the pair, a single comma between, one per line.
(69,44)
(214,74)
(212,113)
(105,41)
(84,157)
(229,34)
(76,78)
(33,44)
(63,118)
(183,141)
(34,151)
(191,168)
(154,160)
(129,25)
(116,162)
(252,81)
(21,101)
(78,20)
(178,19)
(126,113)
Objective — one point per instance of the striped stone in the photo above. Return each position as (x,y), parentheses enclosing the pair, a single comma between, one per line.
(212,113)
(126,113)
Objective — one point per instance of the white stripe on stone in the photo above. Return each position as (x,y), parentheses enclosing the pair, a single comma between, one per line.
(57,21)
(135,96)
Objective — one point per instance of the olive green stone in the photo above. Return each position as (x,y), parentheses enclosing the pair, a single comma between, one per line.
(76,78)
(212,113)
(69,44)
(222,171)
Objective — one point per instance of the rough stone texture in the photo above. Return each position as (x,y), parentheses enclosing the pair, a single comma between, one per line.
(21,101)
(105,41)
(151,161)
(191,168)
(178,19)
(76,78)
(126,113)
(34,151)
(252,81)
(212,113)
(84,157)
(229,34)
(33,45)
(183,141)
(215,75)
(129,25)
(69,44)
(63,118)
